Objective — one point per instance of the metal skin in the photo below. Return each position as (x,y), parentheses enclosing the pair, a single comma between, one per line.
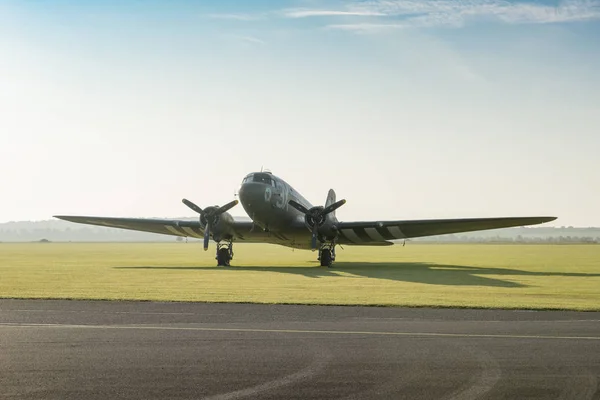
(269,207)
(210,217)
(281,215)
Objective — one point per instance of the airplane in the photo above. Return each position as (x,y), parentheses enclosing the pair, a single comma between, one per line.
(281,215)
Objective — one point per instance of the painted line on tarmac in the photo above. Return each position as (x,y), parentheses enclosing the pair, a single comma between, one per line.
(325,332)
(475,320)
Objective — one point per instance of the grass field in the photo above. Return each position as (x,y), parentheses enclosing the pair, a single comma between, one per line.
(497,276)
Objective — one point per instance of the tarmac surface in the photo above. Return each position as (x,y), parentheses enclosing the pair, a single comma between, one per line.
(142,350)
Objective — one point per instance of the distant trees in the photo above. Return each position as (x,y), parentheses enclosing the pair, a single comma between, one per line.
(508,239)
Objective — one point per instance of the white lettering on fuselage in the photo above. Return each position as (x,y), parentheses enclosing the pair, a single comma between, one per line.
(282,194)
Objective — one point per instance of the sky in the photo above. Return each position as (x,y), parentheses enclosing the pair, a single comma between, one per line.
(408,109)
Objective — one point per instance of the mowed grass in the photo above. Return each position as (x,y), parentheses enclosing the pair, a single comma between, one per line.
(448,275)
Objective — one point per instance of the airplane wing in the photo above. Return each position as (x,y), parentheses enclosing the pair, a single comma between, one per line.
(162,226)
(379,231)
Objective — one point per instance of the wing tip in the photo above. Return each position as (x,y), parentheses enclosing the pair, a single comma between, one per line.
(70,218)
(535,220)
(546,219)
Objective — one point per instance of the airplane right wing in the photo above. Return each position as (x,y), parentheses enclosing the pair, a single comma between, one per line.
(373,232)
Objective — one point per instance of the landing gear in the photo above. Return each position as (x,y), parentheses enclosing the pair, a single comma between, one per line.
(224,254)
(327,254)
(325,258)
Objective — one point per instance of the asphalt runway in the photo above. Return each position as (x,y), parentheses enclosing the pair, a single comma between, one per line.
(144,350)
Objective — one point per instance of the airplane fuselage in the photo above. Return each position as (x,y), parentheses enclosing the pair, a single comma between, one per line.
(265,198)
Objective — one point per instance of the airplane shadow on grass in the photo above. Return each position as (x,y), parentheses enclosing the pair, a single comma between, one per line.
(428,273)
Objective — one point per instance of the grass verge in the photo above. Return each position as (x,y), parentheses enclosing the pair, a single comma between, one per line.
(433,275)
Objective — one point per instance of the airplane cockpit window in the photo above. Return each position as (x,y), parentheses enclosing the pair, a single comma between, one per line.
(263,178)
(248,178)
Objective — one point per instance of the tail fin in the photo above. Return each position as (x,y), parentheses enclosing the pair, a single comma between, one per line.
(330,200)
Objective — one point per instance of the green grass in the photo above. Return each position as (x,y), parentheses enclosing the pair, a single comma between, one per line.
(496,276)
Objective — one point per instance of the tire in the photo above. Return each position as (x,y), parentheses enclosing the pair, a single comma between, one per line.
(223,258)
(326,260)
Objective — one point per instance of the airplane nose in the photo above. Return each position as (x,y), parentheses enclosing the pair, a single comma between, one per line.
(252,192)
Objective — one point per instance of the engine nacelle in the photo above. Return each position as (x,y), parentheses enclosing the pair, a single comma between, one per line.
(221,225)
(327,224)
(314,216)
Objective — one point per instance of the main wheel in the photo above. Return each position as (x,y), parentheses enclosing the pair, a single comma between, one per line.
(326,260)
(223,257)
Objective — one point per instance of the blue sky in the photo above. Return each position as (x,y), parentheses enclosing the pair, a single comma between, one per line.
(408,109)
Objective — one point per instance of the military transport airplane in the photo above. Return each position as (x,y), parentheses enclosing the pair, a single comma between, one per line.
(280,215)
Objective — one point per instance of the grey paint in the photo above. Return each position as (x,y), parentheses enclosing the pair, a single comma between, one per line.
(265,198)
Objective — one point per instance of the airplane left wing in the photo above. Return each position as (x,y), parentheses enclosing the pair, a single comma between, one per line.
(379,231)
(162,226)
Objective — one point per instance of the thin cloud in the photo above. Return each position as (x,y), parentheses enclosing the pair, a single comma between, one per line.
(456,13)
(366,28)
(250,39)
(304,13)
(384,15)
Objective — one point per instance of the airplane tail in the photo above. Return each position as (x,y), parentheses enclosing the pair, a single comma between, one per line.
(330,200)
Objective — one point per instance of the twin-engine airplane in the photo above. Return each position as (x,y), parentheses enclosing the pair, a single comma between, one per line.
(280,215)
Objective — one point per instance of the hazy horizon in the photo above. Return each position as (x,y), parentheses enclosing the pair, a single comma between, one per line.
(237,216)
(63,231)
(409,110)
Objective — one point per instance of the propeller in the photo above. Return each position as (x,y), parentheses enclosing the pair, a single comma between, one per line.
(316,216)
(209,216)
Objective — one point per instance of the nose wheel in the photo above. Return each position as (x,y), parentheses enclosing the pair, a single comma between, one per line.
(327,255)
(224,254)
